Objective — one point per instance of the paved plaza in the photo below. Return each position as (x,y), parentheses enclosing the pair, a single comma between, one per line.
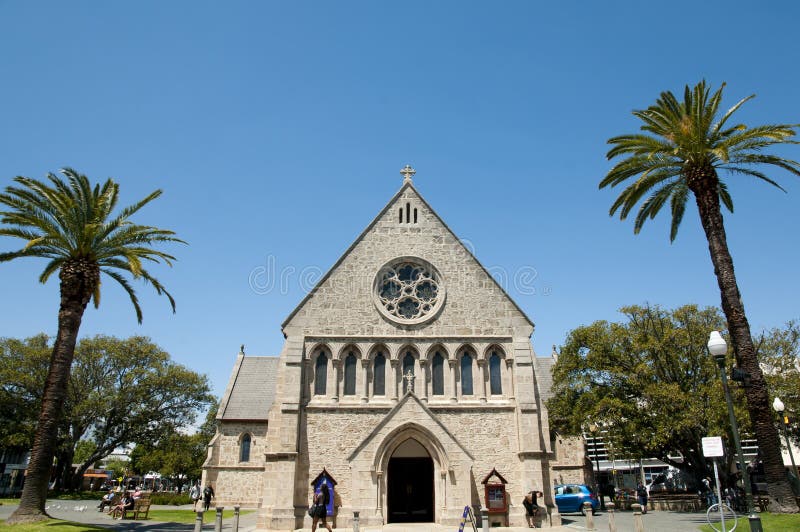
(86,512)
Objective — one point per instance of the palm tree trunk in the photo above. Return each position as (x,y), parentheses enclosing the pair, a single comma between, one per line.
(761,416)
(76,289)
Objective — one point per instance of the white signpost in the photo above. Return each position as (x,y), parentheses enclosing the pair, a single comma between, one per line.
(712,448)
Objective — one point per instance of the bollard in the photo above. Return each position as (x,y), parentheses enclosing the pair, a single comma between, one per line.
(638,525)
(612,523)
(355,521)
(218,522)
(198,521)
(587,510)
(236,519)
(553,517)
(484,520)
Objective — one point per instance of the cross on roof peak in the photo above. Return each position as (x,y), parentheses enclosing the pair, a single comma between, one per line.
(407,172)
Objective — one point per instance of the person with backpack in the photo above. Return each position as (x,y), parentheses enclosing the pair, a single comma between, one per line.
(320,507)
(208,494)
(641,494)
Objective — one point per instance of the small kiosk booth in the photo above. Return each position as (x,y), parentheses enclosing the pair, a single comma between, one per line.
(496,499)
(326,479)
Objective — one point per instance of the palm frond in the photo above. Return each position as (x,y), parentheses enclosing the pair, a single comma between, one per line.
(683,139)
(64,218)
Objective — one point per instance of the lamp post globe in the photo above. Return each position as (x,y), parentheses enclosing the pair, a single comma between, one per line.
(717,345)
(778,405)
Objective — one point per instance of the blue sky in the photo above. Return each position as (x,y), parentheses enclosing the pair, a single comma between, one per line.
(277,131)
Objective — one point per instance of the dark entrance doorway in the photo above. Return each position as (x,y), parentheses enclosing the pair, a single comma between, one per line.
(409,490)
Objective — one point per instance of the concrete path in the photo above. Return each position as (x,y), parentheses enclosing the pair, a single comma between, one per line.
(86,512)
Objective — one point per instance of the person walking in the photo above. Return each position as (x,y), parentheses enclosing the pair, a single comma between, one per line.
(194,494)
(641,496)
(208,494)
(531,504)
(320,508)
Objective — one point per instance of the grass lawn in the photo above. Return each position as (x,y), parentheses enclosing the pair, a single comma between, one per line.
(768,520)
(188,516)
(52,525)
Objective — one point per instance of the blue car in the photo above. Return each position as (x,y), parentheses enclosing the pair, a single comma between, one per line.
(570,498)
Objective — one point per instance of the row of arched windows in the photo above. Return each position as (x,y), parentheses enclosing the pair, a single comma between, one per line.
(376,373)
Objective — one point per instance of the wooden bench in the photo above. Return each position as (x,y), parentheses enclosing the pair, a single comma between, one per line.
(141,507)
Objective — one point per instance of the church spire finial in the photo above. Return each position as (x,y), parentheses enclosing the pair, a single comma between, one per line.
(407,172)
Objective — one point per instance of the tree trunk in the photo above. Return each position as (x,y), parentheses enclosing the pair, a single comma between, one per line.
(704,187)
(77,285)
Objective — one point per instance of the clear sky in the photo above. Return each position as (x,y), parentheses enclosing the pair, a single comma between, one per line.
(277,131)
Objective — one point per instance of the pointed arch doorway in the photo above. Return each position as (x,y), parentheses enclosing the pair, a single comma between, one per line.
(409,486)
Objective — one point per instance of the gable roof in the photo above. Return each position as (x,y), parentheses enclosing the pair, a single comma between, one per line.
(409,397)
(251,389)
(410,185)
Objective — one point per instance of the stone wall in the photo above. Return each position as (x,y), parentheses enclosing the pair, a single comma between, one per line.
(237,482)
(570,465)
(343,303)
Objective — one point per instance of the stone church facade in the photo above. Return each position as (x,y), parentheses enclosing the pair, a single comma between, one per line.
(407,376)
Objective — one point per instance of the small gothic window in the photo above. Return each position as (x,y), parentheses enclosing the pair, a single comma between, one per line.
(401,215)
(321,374)
(495,377)
(379,382)
(466,375)
(408,213)
(408,365)
(350,374)
(244,449)
(415,215)
(438,374)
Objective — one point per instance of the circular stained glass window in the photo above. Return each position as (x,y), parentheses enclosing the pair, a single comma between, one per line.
(409,291)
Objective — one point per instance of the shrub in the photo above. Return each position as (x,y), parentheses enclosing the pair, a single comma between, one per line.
(170,498)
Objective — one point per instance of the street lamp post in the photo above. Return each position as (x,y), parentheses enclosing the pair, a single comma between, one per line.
(593,430)
(778,405)
(718,349)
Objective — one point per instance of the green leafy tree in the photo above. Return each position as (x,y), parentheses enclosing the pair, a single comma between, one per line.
(118,468)
(21,379)
(129,391)
(120,392)
(84,450)
(178,457)
(683,151)
(73,225)
(648,381)
(779,354)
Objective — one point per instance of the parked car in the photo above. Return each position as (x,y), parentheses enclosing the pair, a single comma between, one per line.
(570,498)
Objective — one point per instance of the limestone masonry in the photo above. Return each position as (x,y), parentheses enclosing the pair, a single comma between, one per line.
(407,376)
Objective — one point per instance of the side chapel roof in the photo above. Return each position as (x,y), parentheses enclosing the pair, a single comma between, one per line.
(251,389)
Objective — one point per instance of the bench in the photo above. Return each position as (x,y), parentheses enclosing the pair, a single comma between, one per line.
(141,507)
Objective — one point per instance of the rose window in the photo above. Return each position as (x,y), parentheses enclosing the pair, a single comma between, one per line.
(409,291)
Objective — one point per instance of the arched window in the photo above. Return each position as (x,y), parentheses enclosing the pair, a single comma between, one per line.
(379,377)
(321,374)
(408,365)
(437,370)
(244,449)
(350,374)
(466,374)
(495,377)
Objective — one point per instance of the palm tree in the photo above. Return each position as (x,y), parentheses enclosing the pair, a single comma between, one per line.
(71,224)
(683,148)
